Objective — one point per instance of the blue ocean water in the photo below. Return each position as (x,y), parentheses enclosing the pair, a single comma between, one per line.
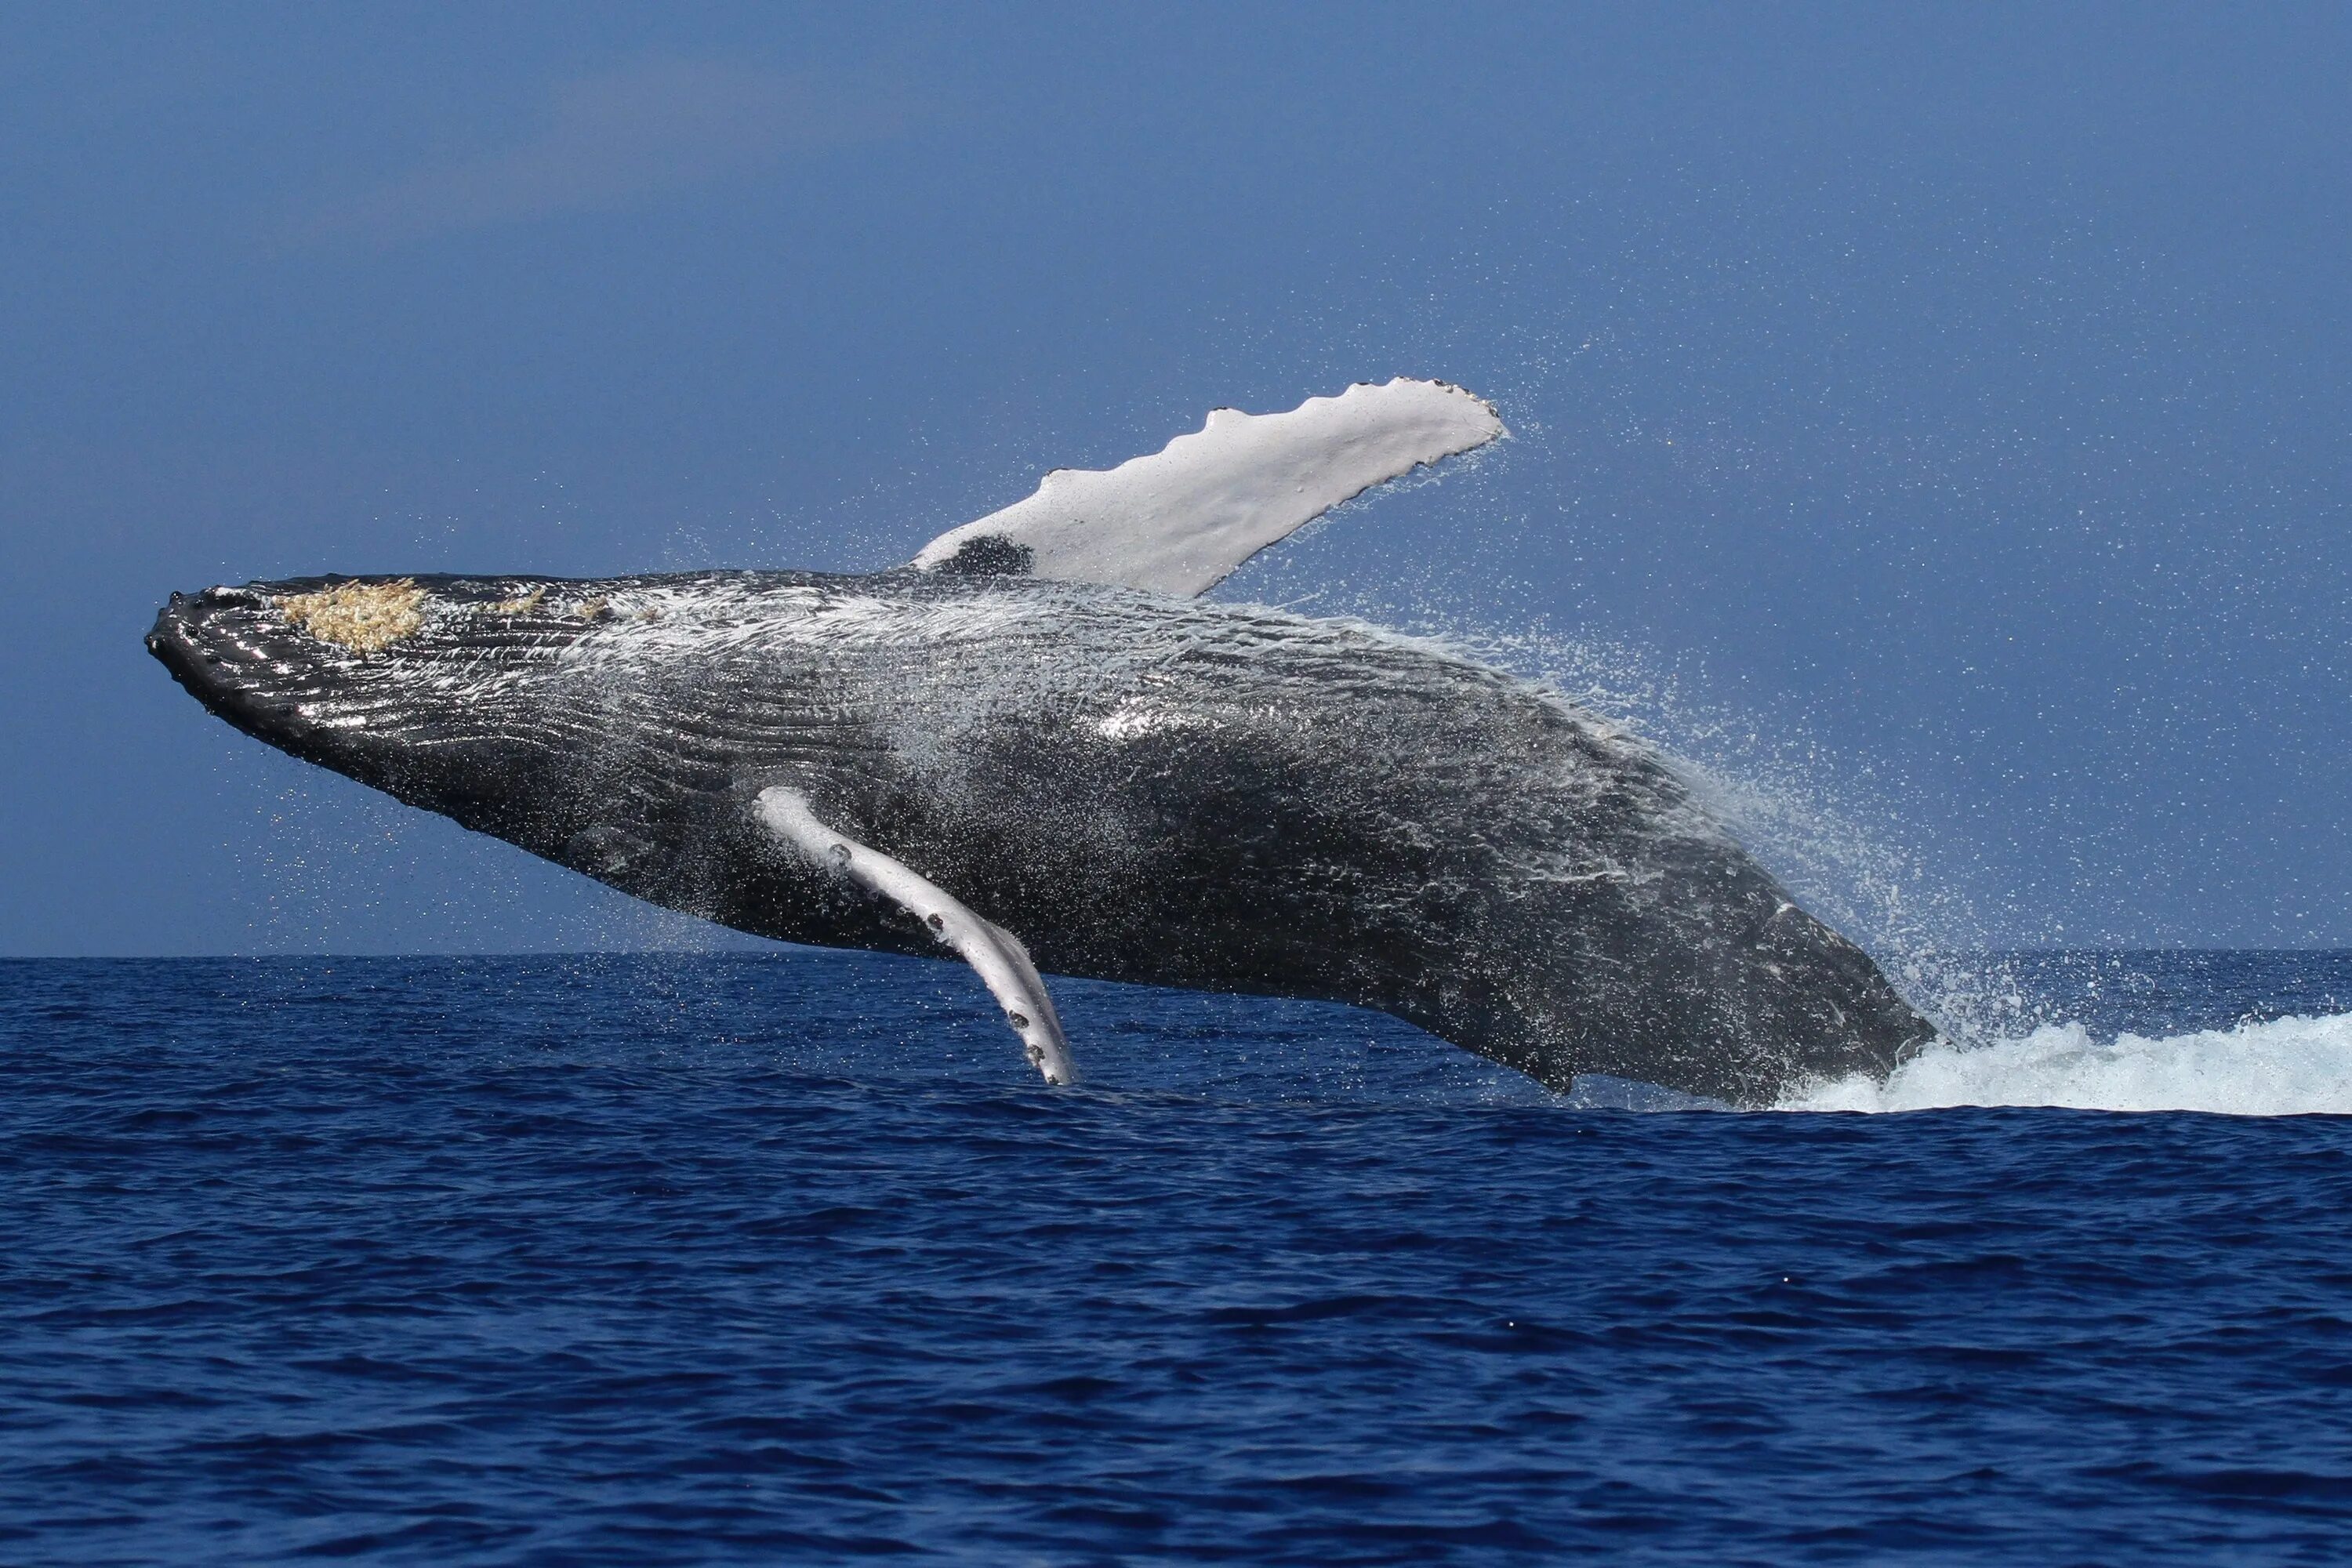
(789,1258)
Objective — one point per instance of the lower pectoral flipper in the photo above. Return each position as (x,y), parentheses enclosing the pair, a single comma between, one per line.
(991,950)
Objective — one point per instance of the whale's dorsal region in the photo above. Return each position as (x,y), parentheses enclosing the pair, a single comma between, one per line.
(1180,520)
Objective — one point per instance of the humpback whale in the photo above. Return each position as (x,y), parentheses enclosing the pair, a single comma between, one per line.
(1037,747)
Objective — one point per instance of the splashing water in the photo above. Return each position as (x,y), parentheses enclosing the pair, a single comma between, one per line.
(1838,839)
(2286,1067)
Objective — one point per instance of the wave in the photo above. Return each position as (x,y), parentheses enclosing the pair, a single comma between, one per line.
(2286,1067)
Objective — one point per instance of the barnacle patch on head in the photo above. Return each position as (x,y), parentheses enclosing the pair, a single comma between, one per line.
(362,616)
(521,605)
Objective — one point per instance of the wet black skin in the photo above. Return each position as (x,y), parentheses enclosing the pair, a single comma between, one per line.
(1142,788)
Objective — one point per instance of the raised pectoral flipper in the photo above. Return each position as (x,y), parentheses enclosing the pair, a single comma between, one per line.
(991,950)
(1178,521)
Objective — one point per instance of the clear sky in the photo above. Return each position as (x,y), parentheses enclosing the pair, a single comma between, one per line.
(1952,407)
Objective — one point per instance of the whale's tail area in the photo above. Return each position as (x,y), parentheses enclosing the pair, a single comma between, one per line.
(1180,520)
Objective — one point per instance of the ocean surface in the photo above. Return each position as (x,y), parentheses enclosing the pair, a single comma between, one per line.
(788,1256)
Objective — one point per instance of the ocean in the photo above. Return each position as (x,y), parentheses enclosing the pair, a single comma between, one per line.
(788,1257)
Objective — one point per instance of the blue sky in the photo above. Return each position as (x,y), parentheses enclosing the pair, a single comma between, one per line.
(1948,405)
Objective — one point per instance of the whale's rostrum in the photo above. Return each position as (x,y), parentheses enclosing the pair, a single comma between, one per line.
(1035,742)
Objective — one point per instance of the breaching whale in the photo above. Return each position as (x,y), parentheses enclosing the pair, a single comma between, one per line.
(1036,747)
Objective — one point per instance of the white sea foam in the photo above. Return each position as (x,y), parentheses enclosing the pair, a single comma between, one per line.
(2287,1067)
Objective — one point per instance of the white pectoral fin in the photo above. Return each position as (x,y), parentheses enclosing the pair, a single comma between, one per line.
(1002,962)
(1181,519)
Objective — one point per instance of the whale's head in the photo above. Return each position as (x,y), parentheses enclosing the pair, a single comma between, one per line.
(352,672)
(608,724)
(390,680)
(625,727)
(501,701)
